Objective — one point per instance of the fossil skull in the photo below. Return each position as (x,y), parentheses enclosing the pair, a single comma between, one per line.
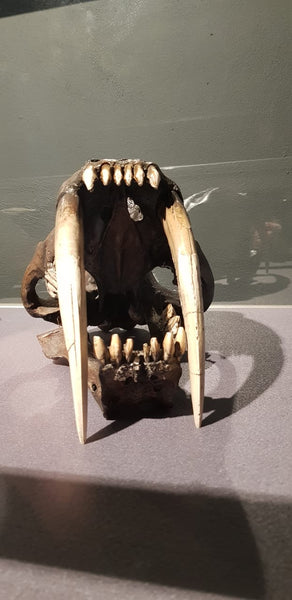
(116,220)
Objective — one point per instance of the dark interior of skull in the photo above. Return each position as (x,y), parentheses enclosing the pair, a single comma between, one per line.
(121,209)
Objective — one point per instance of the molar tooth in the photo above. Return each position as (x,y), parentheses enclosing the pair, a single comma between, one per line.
(105,174)
(139,174)
(89,177)
(153,176)
(115,349)
(168,346)
(128,349)
(146,352)
(174,324)
(128,173)
(180,342)
(155,348)
(100,350)
(118,175)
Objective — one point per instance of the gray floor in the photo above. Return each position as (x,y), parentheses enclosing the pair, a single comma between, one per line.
(151,508)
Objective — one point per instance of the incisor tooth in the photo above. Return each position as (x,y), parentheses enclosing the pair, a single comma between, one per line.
(128,349)
(155,348)
(146,352)
(168,346)
(100,350)
(128,174)
(153,176)
(139,174)
(115,349)
(180,342)
(89,177)
(118,175)
(105,174)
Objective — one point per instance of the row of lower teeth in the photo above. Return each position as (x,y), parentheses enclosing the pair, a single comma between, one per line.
(116,352)
(119,173)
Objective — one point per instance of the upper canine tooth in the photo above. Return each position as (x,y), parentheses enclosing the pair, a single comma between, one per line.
(139,174)
(105,174)
(180,342)
(115,349)
(89,177)
(128,173)
(118,175)
(154,348)
(168,346)
(153,176)
(100,350)
(128,349)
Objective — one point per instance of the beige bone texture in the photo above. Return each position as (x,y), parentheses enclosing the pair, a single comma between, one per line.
(183,250)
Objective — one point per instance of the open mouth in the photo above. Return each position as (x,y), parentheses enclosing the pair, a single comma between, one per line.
(117,220)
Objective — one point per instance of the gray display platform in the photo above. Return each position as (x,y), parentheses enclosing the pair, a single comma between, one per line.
(150,508)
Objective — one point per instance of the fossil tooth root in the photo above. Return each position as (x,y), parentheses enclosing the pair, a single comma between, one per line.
(69,249)
(178,232)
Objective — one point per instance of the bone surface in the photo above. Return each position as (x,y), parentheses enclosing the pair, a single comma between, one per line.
(182,245)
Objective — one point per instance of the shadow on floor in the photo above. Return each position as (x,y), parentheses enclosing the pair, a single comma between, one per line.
(194,541)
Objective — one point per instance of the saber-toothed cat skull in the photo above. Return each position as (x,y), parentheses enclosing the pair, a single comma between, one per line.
(116,220)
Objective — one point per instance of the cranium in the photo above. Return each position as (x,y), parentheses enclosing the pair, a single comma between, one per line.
(116,220)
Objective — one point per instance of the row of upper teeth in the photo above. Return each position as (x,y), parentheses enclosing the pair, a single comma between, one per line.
(116,352)
(118,172)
